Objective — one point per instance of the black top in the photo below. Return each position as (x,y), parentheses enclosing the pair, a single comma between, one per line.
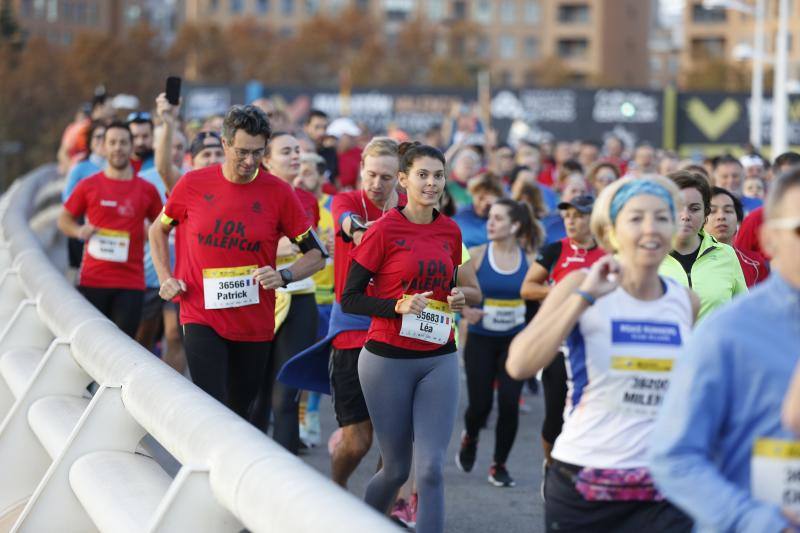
(687,260)
(549,255)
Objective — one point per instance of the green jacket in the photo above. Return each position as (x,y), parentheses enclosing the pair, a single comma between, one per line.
(716,274)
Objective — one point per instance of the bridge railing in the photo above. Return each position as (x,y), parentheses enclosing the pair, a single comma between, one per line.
(74,461)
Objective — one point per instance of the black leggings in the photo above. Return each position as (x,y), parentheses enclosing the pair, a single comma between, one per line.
(122,306)
(485,361)
(296,334)
(554,384)
(227,370)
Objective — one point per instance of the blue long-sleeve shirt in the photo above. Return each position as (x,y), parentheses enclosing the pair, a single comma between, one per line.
(473,227)
(725,394)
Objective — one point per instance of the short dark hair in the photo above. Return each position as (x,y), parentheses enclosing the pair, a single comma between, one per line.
(316,113)
(118,125)
(737,204)
(787,159)
(411,151)
(688,179)
(728,160)
(249,118)
(778,189)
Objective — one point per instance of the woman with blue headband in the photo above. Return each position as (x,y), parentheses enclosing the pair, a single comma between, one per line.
(622,327)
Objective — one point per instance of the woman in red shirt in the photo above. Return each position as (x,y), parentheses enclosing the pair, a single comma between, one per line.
(408,366)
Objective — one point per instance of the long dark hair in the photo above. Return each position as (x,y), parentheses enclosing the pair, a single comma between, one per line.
(530,233)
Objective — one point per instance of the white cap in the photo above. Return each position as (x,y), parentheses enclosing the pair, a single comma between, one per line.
(751,161)
(343,126)
(125,101)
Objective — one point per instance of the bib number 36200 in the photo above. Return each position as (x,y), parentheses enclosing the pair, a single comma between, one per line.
(434,324)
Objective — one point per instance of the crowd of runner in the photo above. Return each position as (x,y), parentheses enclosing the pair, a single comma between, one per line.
(655,300)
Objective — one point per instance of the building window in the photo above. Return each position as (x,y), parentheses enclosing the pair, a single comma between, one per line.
(27,8)
(362,5)
(435,10)
(531,47)
(573,14)
(507,46)
(482,48)
(312,7)
(573,48)
(287,8)
(710,47)
(92,15)
(80,13)
(708,15)
(459,10)
(262,6)
(533,11)
(52,10)
(505,78)
(236,6)
(483,11)
(507,12)
(213,5)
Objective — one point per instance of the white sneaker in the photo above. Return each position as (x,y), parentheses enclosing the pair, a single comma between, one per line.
(313,433)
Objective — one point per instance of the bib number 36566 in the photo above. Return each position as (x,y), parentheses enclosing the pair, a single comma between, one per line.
(229,287)
(434,324)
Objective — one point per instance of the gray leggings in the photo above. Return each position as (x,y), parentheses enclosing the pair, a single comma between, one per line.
(412,404)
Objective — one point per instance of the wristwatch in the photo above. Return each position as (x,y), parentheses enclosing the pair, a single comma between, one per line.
(357,224)
(286,276)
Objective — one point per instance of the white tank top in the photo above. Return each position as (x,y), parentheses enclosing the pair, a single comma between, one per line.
(620,357)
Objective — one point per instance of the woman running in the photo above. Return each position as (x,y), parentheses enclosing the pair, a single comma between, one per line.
(575,251)
(501,267)
(296,331)
(624,326)
(408,367)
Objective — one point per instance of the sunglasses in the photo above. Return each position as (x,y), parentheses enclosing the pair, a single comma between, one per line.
(792,224)
(139,116)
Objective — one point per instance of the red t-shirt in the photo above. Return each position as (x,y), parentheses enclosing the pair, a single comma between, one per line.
(408,258)
(310,205)
(118,208)
(562,257)
(226,226)
(343,204)
(747,237)
(349,165)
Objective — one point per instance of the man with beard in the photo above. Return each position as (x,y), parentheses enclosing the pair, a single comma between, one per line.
(141,127)
(115,203)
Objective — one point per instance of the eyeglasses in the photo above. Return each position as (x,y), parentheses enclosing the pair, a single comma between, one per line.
(792,224)
(241,154)
(203,135)
(139,116)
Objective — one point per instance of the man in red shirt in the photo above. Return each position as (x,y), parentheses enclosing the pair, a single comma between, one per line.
(232,216)
(141,126)
(115,203)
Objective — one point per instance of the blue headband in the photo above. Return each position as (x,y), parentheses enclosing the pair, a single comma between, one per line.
(637,188)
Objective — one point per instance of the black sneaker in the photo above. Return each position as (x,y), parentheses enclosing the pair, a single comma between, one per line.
(499,477)
(465,458)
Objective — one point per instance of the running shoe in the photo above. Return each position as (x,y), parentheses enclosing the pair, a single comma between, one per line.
(402,512)
(310,432)
(465,459)
(413,505)
(499,477)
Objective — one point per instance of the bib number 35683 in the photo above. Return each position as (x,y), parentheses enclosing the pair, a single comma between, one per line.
(229,287)
(434,324)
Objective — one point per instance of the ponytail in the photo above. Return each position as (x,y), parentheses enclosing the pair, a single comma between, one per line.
(530,234)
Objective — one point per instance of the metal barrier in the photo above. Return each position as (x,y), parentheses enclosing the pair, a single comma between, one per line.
(72,461)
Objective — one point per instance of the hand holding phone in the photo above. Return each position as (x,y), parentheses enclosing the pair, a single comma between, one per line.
(173,90)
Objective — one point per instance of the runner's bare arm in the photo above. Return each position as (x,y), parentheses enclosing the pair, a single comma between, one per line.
(70,227)
(159,251)
(534,286)
(163,154)
(467,282)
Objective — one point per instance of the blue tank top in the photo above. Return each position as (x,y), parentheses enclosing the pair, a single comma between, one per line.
(504,307)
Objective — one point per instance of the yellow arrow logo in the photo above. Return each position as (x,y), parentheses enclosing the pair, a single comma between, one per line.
(713,123)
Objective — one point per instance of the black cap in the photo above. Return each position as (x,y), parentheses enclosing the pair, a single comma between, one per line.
(201,142)
(583,204)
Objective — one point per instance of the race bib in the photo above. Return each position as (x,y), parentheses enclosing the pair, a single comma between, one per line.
(109,245)
(229,287)
(503,315)
(434,324)
(302,286)
(639,384)
(775,472)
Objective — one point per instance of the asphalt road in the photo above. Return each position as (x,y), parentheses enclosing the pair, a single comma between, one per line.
(473,505)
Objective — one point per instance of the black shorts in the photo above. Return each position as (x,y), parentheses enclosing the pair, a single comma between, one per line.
(348,398)
(153,304)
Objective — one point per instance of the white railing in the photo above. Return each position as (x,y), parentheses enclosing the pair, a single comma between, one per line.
(71,461)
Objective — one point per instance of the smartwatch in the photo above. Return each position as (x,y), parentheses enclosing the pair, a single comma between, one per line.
(286,276)
(357,224)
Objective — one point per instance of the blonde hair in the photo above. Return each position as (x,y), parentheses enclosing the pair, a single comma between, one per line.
(381,146)
(601,224)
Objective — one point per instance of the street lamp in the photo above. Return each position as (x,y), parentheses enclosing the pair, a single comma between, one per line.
(780,96)
(757,77)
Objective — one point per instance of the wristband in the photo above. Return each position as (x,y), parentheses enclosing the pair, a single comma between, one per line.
(586,296)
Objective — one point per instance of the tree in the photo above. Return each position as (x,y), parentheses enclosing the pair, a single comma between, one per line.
(713,74)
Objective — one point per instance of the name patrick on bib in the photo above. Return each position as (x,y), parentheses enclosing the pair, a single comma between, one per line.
(229,287)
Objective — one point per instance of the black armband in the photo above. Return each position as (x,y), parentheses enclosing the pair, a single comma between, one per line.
(310,241)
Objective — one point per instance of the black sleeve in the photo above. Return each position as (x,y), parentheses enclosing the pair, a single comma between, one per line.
(549,255)
(355,299)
